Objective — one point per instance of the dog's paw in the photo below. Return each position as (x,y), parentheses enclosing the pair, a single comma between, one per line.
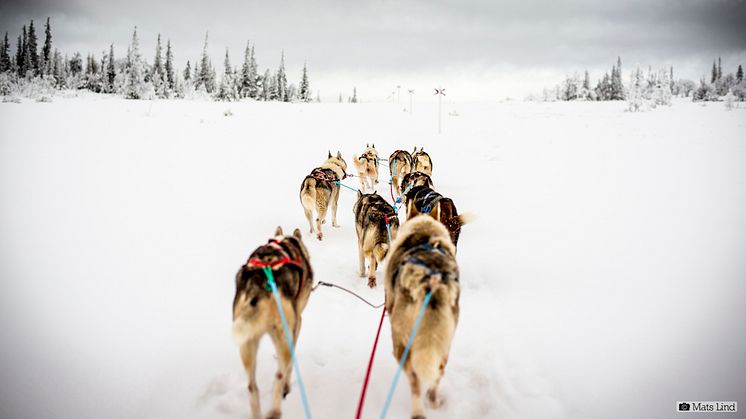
(372,282)
(362,274)
(335,225)
(274,414)
(320,236)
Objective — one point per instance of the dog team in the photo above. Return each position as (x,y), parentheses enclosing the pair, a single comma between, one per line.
(421,259)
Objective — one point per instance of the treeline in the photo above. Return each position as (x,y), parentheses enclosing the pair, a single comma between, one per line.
(653,87)
(28,68)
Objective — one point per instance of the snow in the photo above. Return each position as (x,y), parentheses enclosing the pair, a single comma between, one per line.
(603,277)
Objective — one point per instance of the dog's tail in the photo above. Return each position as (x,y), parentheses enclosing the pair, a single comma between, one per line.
(467,218)
(308,193)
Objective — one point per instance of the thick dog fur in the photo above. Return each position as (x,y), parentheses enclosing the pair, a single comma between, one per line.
(400,164)
(422,259)
(423,199)
(255,312)
(371,212)
(422,161)
(367,168)
(318,191)
(410,180)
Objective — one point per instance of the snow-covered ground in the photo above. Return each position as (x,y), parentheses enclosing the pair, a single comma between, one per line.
(604,277)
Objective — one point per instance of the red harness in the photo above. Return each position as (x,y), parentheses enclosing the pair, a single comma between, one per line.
(280,263)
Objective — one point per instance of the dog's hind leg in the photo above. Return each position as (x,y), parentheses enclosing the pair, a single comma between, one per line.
(248,356)
(373,266)
(284,364)
(433,399)
(309,217)
(334,202)
(361,258)
(321,209)
(418,409)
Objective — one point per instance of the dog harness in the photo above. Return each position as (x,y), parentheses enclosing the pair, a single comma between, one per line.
(417,261)
(429,204)
(278,264)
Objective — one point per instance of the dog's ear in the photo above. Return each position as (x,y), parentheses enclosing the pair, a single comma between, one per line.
(359,194)
(296,234)
(374,146)
(415,150)
(339,154)
(330,154)
(278,231)
(367,145)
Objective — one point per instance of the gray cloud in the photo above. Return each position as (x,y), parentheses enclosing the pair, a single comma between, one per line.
(407,38)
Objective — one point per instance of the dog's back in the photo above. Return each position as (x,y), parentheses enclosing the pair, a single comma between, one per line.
(372,214)
(412,179)
(422,161)
(421,260)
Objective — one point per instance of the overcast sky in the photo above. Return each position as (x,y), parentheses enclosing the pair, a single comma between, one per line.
(476,48)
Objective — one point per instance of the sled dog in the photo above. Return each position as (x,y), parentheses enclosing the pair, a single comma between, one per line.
(255,310)
(410,180)
(400,164)
(422,259)
(372,213)
(422,162)
(319,191)
(424,200)
(367,168)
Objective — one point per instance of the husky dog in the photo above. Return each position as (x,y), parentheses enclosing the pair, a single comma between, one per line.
(400,163)
(372,213)
(424,200)
(422,161)
(255,311)
(367,168)
(319,190)
(422,259)
(410,180)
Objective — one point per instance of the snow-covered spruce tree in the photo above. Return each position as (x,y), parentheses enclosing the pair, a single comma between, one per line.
(46,51)
(714,75)
(246,79)
(75,72)
(318,96)
(170,75)
(354,95)
(135,85)
(5,55)
(292,93)
(340,98)
(21,53)
(617,87)
(272,91)
(304,85)
(704,92)
(227,90)
(570,88)
(33,50)
(282,81)
(720,68)
(662,90)
(158,73)
(265,81)
(204,78)
(739,72)
(603,88)
(111,71)
(637,85)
